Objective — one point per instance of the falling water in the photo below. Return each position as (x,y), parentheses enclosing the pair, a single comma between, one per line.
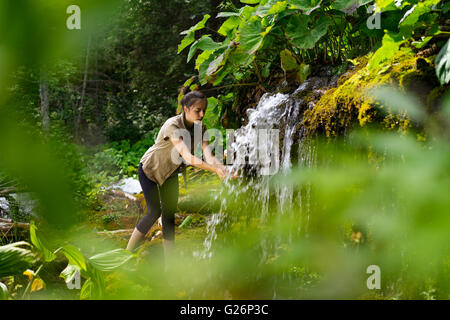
(262,149)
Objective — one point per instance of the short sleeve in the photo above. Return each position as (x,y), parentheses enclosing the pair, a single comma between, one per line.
(170,131)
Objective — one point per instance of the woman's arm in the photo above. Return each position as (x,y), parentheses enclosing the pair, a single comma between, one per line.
(186,154)
(210,158)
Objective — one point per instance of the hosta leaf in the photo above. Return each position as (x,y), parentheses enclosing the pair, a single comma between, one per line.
(14,259)
(37,239)
(3,291)
(443,64)
(69,273)
(110,260)
(74,256)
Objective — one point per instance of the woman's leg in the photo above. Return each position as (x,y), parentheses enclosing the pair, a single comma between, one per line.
(152,199)
(169,205)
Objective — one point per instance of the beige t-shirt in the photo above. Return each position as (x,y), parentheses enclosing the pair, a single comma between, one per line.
(158,162)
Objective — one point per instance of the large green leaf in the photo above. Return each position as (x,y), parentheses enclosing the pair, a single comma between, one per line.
(69,272)
(290,64)
(229,25)
(240,57)
(38,240)
(186,41)
(212,113)
(205,43)
(263,9)
(198,26)
(278,7)
(307,6)
(349,6)
(390,44)
(298,34)
(250,36)
(251,1)
(202,57)
(110,260)
(3,291)
(190,33)
(215,64)
(409,21)
(74,255)
(443,64)
(14,259)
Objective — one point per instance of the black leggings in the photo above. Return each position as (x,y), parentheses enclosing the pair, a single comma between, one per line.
(160,200)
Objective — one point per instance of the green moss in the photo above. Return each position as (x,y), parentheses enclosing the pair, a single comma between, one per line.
(348,104)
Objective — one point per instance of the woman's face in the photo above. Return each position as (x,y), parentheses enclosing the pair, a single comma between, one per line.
(196,112)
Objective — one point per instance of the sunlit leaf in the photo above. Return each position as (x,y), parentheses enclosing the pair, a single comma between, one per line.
(250,36)
(74,255)
(390,44)
(3,291)
(228,26)
(37,239)
(200,25)
(349,6)
(307,6)
(300,36)
(110,260)
(251,1)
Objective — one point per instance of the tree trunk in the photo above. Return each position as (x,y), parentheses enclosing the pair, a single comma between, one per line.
(43,92)
(83,91)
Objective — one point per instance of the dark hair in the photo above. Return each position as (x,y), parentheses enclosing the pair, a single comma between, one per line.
(190,98)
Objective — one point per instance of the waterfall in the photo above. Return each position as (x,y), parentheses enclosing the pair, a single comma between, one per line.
(261,150)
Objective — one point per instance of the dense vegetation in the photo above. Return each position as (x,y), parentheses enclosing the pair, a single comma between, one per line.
(80,107)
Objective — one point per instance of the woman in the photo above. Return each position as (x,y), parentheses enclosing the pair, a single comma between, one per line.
(158,170)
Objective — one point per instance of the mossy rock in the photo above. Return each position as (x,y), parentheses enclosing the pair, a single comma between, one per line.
(348,105)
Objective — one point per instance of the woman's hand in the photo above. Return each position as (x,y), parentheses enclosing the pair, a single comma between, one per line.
(221,171)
